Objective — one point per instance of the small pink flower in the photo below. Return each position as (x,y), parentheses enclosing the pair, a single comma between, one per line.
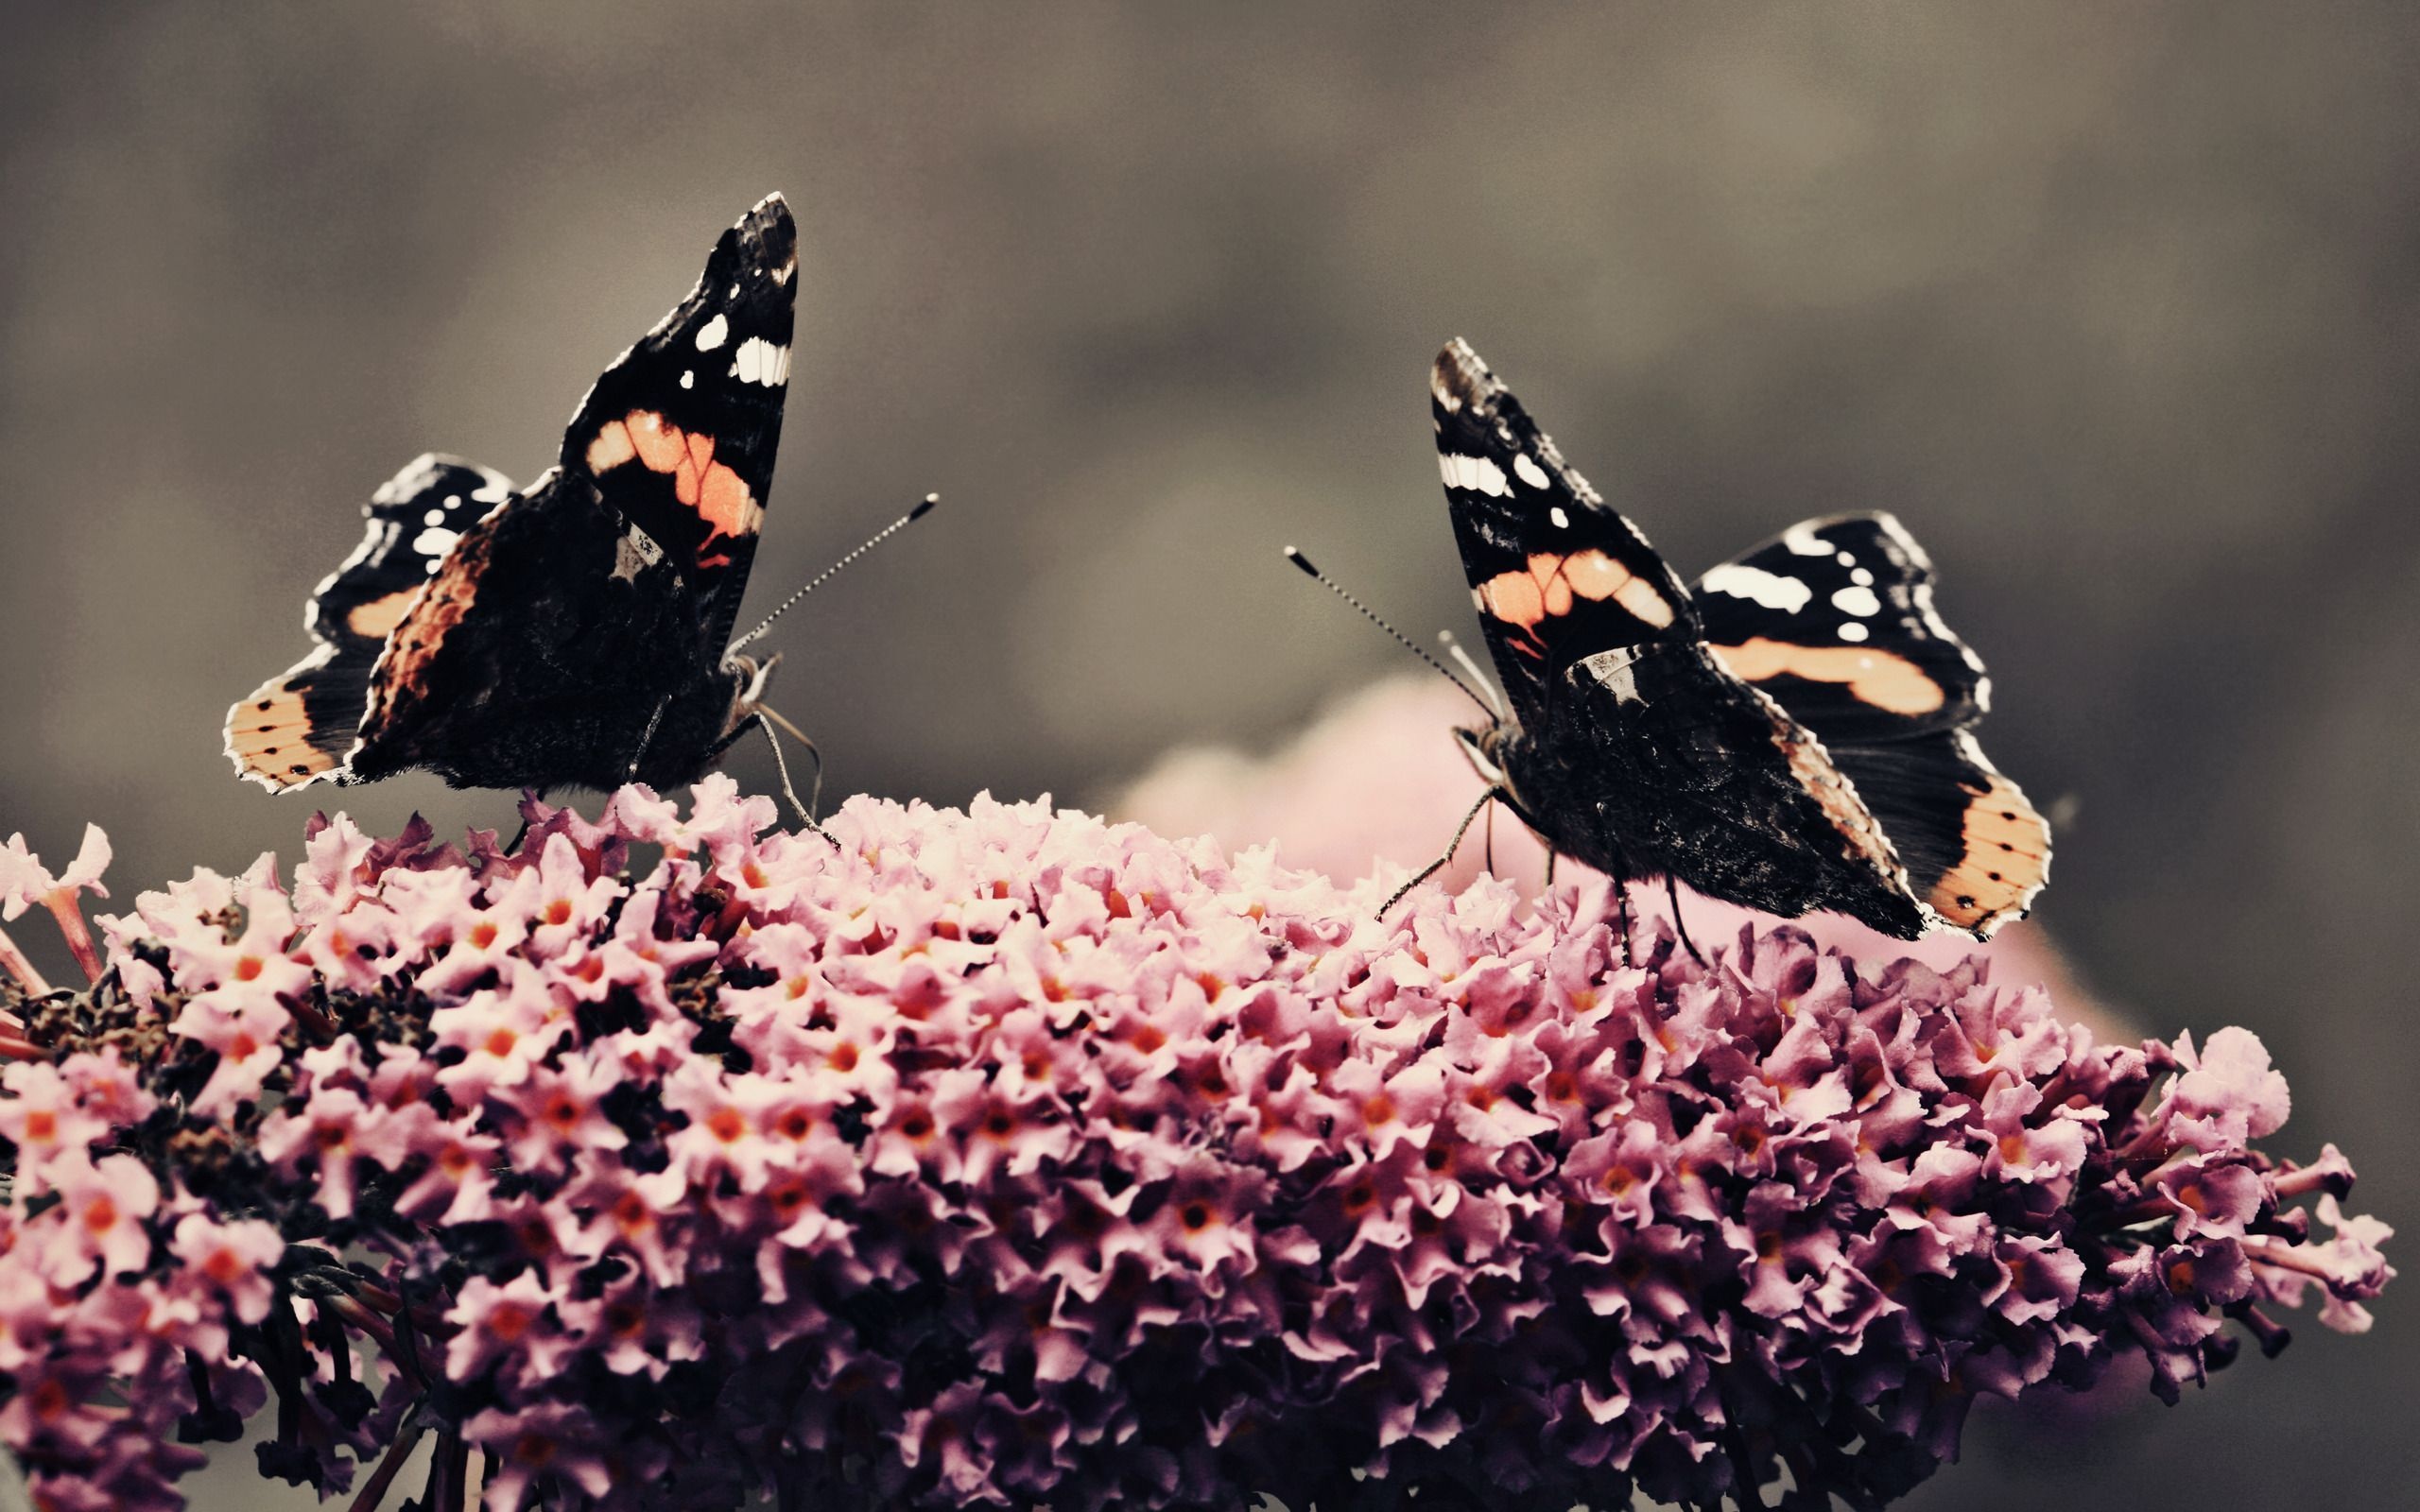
(44,1116)
(25,884)
(549,1440)
(232,1258)
(100,1220)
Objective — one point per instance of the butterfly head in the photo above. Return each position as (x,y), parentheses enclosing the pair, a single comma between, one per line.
(749,679)
(1487,749)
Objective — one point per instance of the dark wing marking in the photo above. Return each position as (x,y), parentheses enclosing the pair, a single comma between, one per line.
(1834,618)
(299,726)
(1557,573)
(679,434)
(1977,851)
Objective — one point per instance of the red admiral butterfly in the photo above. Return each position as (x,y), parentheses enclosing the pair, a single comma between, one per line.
(1791,734)
(572,632)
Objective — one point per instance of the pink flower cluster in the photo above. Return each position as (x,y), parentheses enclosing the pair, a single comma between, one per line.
(1009,1157)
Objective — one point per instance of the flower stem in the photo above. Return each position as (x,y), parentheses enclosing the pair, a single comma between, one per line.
(374,1490)
(79,938)
(13,961)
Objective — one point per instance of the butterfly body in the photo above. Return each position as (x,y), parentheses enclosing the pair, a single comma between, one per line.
(600,641)
(1791,734)
(1658,765)
(575,632)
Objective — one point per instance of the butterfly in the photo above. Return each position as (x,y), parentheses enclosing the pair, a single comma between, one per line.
(1792,733)
(572,632)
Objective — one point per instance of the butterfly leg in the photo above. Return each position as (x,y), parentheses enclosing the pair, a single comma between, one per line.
(782,766)
(1439,864)
(1622,904)
(1672,891)
(522,833)
(646,739)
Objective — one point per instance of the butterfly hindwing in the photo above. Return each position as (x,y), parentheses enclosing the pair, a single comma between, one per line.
(1976,850)
(1558,574)
(679,435)
(1660,762)
(298,727)
(1835,619)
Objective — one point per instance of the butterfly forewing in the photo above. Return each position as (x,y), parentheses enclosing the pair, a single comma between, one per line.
(680,433)
(1557,574)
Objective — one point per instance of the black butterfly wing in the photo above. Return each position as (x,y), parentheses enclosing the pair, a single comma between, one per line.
(579,625)
(679,435)
(298,727)
(554,637)
(1658,763)
(1558,573)
(1977,850)
(582,630)
(1834,621)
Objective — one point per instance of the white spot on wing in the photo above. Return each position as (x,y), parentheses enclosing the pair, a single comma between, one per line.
(1804,541)
(1477,473)
(1845,559)
(434,517)
(712,333)
(435,542)
(759,361)
(634,552)
(1852,630)
(452,501)
(1562,521)
(1858,601)
(1530,473)
(1861,577)
(1771,590)
(786,272)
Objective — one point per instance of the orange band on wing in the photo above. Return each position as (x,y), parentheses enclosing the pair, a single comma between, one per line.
(1546,588)
(718,495)
(1887,682)
(269,736)
(377,619)
(2006,861)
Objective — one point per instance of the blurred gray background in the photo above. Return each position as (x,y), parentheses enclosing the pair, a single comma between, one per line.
(2114,306)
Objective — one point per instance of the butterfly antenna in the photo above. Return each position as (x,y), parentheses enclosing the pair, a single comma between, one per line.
(826,575)
(1463,659)
(1400,639)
